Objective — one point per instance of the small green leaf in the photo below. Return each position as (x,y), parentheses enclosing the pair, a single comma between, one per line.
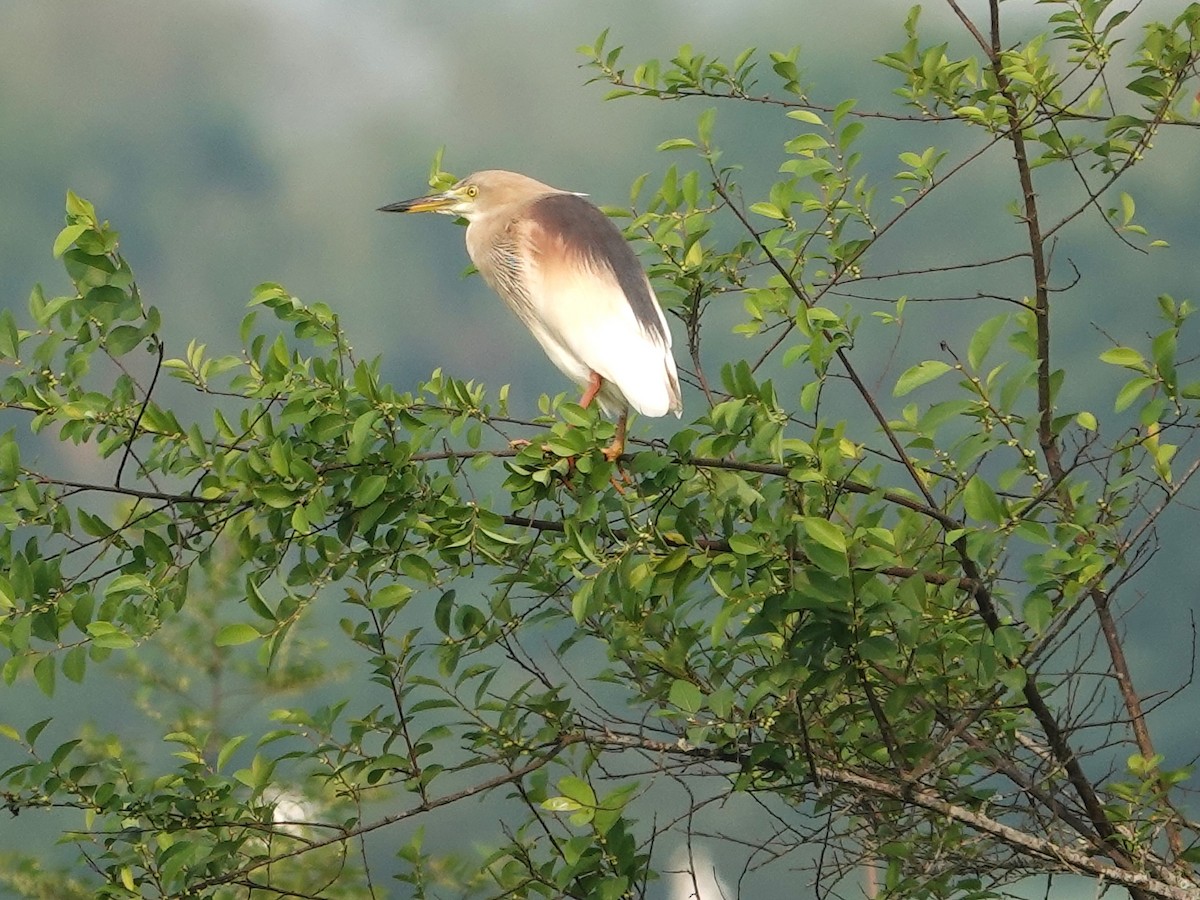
(1131,391)
(236,633)
(825,533)
(676,144)
(74,664)
(1127,208)
(107,635)
(578,790)
(1008,641)
(66,238)
(122,339)
(418,568)
(770,210)
(1123,356)
(391,595)
(10,337)
(227,750)
(981,502)
(704,125)
(560,804)
(744,544)
(442,612)
(921,373)
(983,338)
(368,490)
(805,115)
(360,435)
(877,648)
(686,696)
(44,671)
(806,143)
(1086,420)
(1038,611)
(77,207)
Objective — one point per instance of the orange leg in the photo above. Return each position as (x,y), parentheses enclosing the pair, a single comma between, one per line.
(593,388)
(614,450)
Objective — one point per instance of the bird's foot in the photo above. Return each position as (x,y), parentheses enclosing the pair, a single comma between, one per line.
(614,451)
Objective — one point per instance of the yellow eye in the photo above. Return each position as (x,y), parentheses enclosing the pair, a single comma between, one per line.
(472,191)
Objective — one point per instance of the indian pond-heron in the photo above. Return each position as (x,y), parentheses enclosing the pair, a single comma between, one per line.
(571,277)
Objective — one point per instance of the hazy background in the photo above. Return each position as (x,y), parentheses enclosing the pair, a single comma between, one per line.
(240,142)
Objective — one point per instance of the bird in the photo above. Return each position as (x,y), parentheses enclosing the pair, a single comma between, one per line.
(566,271)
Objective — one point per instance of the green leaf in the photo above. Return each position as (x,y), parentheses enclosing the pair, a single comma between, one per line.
(228,749)
(1127,208)
(578,790)
(806,143)
(877,648)
(34,731)
(686,696)
(66,238)
(360,435)
(44,671)
(744,544)
(1008,641)
(676,144)
(981,502)
(1123,356)
(236,633)
(560,804)
(610,807)
(77,207)
(825,533)
(391,595)
(109,636)
(921,373)
(805,115)
(1150,86)
(367,491)
(704,125)
(122,339)
(443,611)
(74,664)
(10,338)
(770,210)
(1131,391)
(418,568)
(1038,611)
(983,338)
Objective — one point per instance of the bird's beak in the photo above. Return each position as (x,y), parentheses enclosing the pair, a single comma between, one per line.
(431,203)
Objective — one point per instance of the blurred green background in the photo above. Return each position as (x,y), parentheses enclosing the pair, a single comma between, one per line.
(239,142)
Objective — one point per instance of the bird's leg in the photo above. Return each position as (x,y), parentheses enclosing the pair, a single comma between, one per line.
(593,388)
(614,450)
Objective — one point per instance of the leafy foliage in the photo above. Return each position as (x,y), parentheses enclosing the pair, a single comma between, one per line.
(868,628)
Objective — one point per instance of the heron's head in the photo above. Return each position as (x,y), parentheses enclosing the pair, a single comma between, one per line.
(477,195)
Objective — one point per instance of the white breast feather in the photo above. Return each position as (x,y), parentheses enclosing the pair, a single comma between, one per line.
(589,327)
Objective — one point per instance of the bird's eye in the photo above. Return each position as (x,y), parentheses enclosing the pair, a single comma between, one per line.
(472,191)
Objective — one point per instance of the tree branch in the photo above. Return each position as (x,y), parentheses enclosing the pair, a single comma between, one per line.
(1072,860)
